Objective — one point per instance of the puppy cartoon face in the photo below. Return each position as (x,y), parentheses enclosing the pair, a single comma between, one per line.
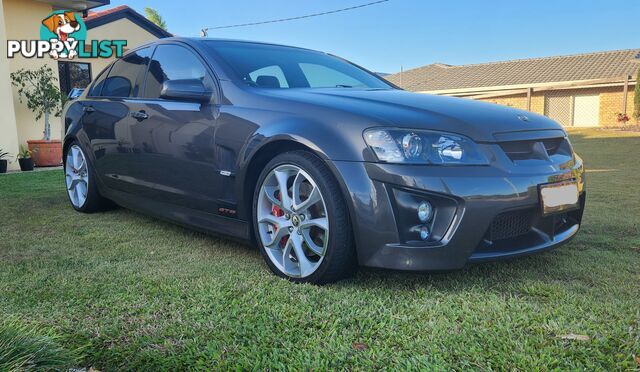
(62,24)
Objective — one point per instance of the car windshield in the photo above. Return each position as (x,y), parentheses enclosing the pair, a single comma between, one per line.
(272,66)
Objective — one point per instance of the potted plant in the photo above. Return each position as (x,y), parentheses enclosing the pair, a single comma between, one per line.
(3,161)
(39,89)
(622,118)
(25,160)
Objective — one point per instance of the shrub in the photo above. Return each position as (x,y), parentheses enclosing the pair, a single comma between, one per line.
(22,349)
(636,111)
(40,90)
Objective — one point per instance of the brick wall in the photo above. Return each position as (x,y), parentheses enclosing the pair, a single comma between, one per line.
(630,106)
(518,101)
(537,103)
(610,102)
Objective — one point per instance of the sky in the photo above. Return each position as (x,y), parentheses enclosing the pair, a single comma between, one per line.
(411,33)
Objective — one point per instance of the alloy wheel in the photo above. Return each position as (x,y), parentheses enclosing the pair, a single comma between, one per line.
(77,176)
(293,224)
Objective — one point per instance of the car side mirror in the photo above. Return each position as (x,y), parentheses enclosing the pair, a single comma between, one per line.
(185,90)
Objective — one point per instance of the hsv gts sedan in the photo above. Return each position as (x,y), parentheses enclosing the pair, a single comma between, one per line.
(321,163)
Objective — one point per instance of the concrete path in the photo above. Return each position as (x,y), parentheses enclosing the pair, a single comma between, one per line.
(43,169)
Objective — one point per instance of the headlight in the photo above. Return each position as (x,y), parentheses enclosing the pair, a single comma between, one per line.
(423,147)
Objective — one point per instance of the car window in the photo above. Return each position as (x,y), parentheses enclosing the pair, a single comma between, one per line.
(96,88)
(269,73)
(173,62)
(270,66)
(126,75)
(319,76)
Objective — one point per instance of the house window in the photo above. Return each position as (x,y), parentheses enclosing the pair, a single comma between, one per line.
(73,75)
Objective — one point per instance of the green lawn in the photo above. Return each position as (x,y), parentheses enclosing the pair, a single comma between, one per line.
(137,293)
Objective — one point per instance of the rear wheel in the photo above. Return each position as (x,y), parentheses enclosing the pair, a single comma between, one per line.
(301,221)
(80,181)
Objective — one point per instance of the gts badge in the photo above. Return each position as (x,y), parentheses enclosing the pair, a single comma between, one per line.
(227,211)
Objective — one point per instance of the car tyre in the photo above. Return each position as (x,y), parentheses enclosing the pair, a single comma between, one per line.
(80,181)
(284,232)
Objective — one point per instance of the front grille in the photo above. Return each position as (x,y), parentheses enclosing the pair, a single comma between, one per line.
(535,149)
(511,224)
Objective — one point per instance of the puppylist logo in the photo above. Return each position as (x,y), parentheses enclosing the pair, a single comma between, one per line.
(63,34)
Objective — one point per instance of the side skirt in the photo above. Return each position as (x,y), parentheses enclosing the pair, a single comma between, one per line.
(197,220)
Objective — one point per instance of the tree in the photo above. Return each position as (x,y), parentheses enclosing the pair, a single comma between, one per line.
(40,90)
(636,111)
(155,17)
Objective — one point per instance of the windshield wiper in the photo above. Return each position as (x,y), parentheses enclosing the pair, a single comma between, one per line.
(343,86)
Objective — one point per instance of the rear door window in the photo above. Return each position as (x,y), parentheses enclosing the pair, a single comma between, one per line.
(96,88)
(127,75)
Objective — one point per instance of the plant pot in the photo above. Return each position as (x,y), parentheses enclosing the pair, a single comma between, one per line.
(46,153)
(3,166)
(26,164)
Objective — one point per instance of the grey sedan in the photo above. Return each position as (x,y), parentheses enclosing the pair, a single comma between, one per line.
(322,164)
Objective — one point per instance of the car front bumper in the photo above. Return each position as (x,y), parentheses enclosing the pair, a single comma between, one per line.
(482,212)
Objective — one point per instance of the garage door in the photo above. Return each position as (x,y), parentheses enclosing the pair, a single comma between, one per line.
(586,109)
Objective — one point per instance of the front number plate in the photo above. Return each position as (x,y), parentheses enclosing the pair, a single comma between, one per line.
(558,197)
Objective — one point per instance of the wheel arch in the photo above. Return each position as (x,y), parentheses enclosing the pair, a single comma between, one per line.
(268,151)
(65,146)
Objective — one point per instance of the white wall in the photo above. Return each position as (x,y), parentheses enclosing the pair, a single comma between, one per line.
(8,132)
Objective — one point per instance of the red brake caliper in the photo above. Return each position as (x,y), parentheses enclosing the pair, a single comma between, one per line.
(276,211)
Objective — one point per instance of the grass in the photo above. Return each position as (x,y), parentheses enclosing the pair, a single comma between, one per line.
(23,349)
(138,293)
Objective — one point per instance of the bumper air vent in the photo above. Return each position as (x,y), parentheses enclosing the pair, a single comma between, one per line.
(536,149)
(511,224)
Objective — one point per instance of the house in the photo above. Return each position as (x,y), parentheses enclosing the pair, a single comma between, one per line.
(575,90)
(121,23)
(21,20)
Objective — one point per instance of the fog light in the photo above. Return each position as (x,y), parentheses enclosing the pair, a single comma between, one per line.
(425,210)
(424,233)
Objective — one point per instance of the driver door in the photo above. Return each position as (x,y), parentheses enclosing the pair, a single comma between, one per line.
(173,140)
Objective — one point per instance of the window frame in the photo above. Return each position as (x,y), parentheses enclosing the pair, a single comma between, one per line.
(104,72)
(216,89)
(67,77)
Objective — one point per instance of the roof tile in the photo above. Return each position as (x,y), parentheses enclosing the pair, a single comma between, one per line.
(601,65)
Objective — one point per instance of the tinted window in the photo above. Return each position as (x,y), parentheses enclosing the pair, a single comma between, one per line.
(126,75)
(299,68)
(97,86)
(173,62)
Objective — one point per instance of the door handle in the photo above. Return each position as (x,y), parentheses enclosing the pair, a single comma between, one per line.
(89,109)
(140,115)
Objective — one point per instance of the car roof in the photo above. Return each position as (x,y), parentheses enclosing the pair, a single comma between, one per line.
(200,40)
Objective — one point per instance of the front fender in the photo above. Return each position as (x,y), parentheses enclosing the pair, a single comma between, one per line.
(330,142)
(326,141)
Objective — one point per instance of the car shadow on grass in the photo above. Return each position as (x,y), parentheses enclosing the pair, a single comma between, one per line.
(488,276)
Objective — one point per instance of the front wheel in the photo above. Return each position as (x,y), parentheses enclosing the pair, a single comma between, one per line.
(301,221)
